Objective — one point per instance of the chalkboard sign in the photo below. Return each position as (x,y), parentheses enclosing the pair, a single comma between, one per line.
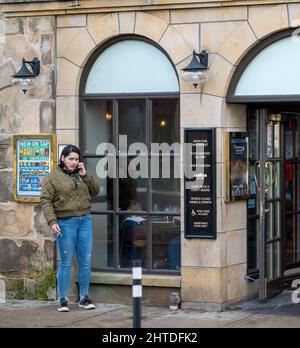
(200,183)
(34,157)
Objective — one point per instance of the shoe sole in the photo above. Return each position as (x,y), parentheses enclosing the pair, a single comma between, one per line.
(90,306)
(63,309)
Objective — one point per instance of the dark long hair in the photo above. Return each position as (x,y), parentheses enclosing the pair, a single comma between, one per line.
(66,152)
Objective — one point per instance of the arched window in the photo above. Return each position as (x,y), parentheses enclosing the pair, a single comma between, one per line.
(132,66)
(269,73)
(130,101)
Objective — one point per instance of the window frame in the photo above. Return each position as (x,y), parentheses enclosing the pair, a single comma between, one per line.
(116,212)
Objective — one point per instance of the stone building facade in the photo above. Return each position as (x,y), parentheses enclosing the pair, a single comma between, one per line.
(26,248)
(64,35)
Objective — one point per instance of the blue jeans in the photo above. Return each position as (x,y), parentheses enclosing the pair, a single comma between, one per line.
(77,237)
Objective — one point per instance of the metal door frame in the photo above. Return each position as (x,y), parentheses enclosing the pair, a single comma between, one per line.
(262,205)
(267,288)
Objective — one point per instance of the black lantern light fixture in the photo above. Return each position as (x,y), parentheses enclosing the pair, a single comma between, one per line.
(24,75)
(196,72)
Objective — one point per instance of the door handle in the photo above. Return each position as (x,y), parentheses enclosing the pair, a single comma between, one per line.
(267,165)
(270,164)
(256,165)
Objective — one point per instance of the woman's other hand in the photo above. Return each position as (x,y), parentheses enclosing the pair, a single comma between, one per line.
(56,230)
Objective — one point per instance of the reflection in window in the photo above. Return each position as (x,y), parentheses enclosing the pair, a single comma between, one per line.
(132,240)
(166,242)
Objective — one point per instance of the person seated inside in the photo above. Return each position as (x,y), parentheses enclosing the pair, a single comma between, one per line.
(132,236)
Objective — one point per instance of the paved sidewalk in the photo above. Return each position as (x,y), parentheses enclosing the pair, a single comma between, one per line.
(279,312)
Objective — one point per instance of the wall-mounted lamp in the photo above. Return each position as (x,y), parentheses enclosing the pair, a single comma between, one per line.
(196,71)
(24,75)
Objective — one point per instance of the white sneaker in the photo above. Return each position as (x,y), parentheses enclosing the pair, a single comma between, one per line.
(86,303)
(63,305)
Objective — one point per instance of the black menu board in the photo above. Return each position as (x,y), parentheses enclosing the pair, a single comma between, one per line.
(200,183)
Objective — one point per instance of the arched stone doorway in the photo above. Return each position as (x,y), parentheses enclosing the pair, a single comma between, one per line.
(267,81)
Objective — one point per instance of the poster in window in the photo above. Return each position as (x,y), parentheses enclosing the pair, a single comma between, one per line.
(237,167)
(34,159)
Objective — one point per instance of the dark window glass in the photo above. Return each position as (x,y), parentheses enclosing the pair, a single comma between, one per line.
(253,136)
(131,191)
(132,122)
(166,188)
(103,241)
(289,149)
(252,244)
(104,200)
(289,230)
(98,124)
(288,182)
(298,187)
(298,139)
(166,242)
(165,121)
(252,204)
(298,238)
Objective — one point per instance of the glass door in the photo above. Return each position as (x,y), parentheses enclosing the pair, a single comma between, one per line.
(273,205)
(265,201)
(291,190)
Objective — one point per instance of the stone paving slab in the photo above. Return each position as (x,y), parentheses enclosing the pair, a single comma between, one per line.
(44,314)
(278,313)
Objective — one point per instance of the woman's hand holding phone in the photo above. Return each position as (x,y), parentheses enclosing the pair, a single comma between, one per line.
(81,167)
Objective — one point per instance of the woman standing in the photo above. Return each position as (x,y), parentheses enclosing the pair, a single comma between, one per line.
(66,201)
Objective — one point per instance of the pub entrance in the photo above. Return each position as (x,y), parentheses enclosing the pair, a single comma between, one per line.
(274,201)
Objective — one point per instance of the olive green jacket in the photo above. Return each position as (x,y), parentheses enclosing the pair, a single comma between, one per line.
(63,197)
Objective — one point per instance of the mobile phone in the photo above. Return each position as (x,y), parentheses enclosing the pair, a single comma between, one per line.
(77,170)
